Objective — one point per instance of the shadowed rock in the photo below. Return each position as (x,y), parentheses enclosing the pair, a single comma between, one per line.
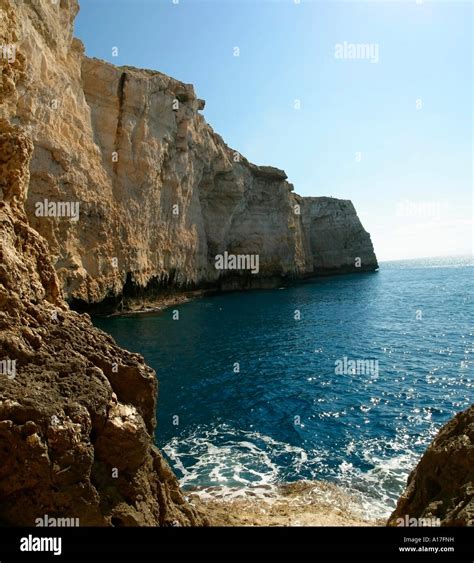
(442,484)
(77,413)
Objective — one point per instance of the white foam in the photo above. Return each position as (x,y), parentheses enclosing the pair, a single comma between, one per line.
(247,462)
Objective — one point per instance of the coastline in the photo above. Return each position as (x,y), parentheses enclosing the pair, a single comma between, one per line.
(302,503)
(282,508)
(158,304)
(78,413)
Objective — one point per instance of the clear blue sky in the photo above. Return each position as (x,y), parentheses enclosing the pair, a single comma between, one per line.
(412,179)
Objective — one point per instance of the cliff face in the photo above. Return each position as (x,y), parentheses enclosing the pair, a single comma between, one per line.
(71,401)
(442,484)
(336,241)
(159,194)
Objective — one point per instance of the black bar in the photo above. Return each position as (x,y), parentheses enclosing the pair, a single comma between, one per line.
(149,544)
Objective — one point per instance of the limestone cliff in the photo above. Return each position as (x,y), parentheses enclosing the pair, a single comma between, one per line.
(335,237)
(71,401)
(159,193)
(442,485)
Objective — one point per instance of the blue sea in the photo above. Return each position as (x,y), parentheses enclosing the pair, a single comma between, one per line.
(263,387)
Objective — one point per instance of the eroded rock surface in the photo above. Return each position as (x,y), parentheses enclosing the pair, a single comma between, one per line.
(442,485)
(160,193)
(77,413)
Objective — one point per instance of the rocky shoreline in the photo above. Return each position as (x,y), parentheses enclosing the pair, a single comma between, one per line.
(302,503)
(150,306)
(441,486)
(139,195)
(78,130)
(72,400)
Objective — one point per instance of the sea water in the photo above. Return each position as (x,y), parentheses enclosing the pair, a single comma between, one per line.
(257,388)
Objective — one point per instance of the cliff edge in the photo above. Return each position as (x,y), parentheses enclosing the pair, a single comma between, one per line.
(111,184)
(135,193)
(71,401)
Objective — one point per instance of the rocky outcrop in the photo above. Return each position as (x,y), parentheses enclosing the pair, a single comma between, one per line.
(442,485)
(130,191)
(133,191)
(336,240)
(159,193)
(71,401)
